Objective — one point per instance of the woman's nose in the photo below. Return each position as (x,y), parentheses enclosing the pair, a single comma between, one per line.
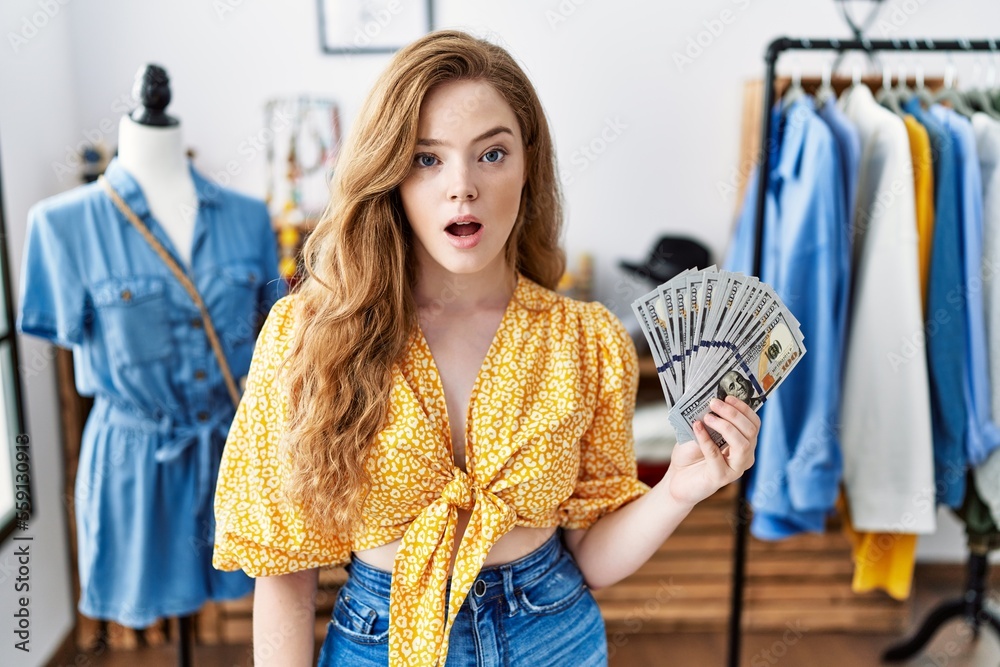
(461,186)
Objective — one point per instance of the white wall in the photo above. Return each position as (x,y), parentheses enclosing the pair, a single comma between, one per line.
(597,65)
(38,116)
(594,64)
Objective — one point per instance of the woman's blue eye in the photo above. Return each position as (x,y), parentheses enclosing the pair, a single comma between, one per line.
(425,160)
(494,155)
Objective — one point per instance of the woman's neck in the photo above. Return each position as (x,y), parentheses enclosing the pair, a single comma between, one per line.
(444,291)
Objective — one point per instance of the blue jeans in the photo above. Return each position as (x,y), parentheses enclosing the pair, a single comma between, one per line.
(536,610)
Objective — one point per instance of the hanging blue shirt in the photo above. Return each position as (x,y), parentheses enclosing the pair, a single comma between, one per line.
(982,436)
(152,443)
(806,258)
(849,149)
(946,319)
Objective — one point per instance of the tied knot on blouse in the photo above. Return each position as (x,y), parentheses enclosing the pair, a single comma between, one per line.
(420,571)
(458,492)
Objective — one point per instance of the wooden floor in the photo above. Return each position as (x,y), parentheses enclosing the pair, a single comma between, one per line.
(796,647)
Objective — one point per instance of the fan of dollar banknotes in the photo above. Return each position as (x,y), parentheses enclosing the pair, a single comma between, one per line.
(717,333)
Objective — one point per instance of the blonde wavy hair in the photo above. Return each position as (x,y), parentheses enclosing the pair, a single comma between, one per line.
(355,311)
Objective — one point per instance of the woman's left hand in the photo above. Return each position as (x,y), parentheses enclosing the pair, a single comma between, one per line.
(699,468)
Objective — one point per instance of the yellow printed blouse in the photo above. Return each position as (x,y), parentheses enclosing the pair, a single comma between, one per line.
(548,443)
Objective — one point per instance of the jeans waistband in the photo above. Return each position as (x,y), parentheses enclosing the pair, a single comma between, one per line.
(519,572)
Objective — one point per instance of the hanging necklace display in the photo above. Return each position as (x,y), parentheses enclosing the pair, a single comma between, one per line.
(304,144)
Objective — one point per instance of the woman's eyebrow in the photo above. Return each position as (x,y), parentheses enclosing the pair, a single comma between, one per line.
(499,129)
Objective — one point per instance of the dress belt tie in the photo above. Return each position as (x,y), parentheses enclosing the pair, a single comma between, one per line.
(177,439)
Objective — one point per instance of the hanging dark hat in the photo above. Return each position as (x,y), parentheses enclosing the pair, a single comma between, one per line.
(670,255)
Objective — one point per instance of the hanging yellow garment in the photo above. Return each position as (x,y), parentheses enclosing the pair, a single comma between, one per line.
(881,560)
(923,181)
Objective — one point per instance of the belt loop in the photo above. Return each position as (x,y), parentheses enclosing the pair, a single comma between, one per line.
(508,590)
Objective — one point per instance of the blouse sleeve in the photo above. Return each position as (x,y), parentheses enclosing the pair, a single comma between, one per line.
(607,478)
(256,530)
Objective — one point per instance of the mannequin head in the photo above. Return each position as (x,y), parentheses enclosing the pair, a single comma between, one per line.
(152,89)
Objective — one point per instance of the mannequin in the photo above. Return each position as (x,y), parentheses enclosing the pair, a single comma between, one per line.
(151,149)
(150,450)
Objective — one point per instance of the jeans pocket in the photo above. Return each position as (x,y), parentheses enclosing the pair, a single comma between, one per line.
(364,620)
(555,590)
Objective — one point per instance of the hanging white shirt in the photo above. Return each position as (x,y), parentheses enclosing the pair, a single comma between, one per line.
(885,408)
(987,474)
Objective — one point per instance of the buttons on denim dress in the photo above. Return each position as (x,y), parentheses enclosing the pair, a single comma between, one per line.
(480,588)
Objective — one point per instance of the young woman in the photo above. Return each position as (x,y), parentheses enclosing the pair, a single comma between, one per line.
(427,411)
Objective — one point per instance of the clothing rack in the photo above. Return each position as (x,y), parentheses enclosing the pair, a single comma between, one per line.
(977,568)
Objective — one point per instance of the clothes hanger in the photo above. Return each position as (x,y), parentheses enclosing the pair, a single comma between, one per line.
(886,95)
(903,91)
(855,84)
(977,98)
(950,95)
(993,90)
(921,92)
(795,91)
(825,91)
(856,74)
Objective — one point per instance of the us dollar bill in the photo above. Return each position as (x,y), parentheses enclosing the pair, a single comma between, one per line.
(750,374)
(713,333)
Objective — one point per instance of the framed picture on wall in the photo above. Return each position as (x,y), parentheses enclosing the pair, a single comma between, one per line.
(372,26)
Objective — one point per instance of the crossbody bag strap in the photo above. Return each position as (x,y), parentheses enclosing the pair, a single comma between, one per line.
(184,280)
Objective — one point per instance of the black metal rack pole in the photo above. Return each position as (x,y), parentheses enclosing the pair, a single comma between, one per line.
(774,50)
(742,505)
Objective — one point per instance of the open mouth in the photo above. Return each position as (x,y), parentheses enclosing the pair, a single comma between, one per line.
(463,228)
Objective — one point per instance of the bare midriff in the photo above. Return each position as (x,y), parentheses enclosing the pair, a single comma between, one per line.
(519,542)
